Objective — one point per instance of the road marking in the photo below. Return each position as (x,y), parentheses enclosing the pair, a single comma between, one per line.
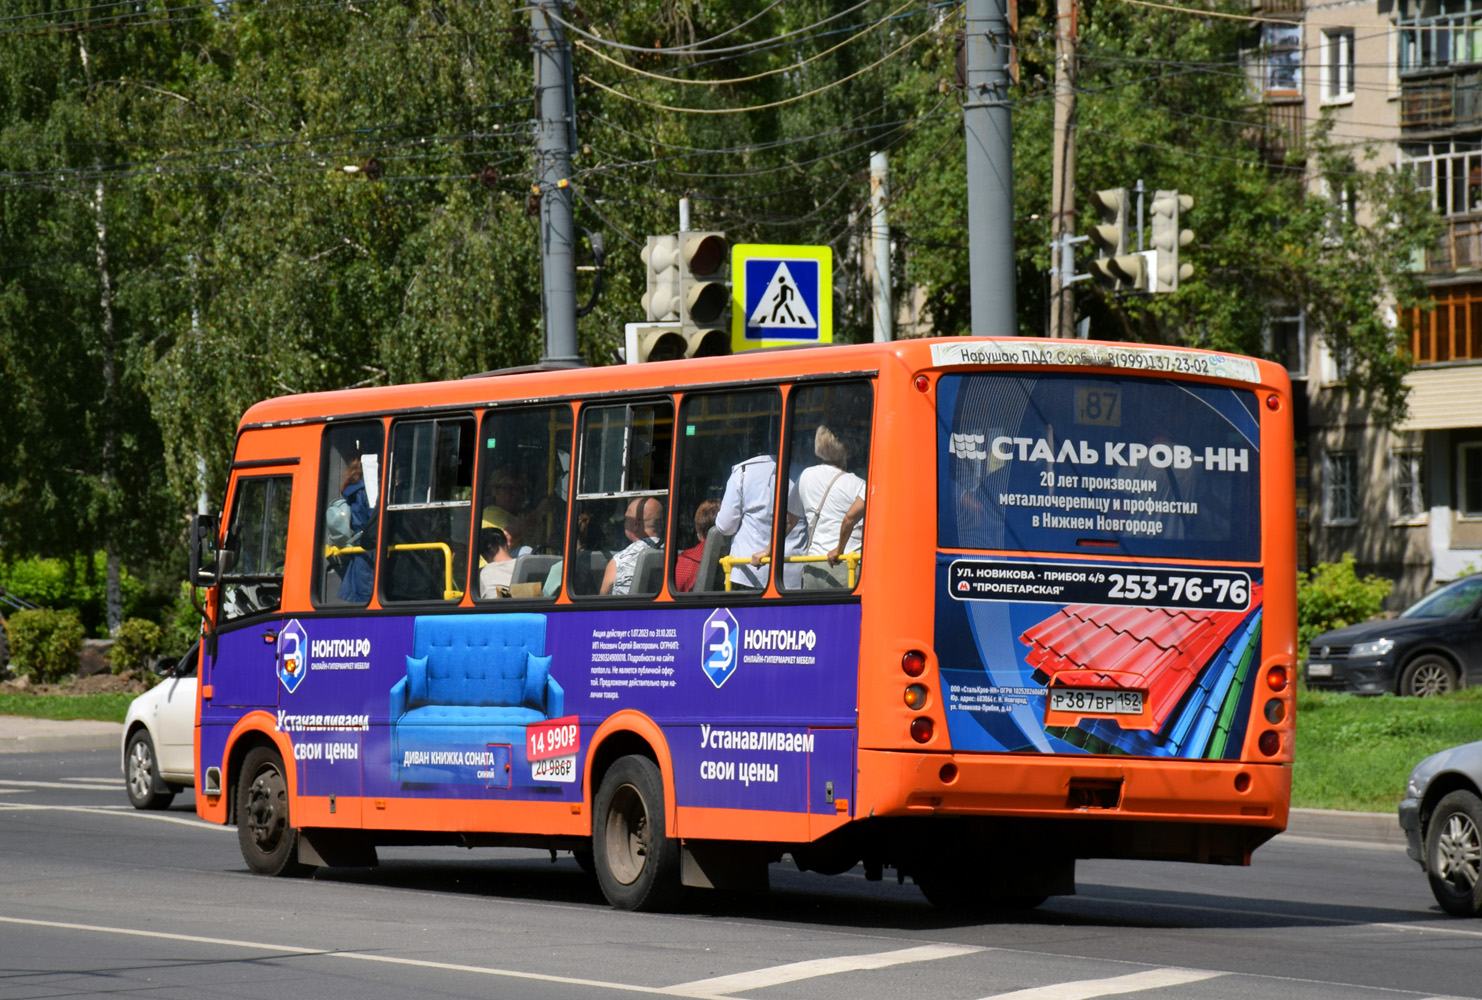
(107,777)
(114,786)
(198,824)
(794,971)
(1085,989)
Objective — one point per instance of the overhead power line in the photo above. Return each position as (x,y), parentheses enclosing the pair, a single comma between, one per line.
(693,50)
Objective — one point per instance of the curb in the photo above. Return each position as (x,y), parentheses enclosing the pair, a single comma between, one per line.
(23,735)
(1332,824)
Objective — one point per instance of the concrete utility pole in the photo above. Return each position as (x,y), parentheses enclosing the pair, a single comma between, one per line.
(880,240)
(552,181)
(990,170)
(1062,173)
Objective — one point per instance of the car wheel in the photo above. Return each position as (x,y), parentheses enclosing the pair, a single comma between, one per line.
(1453,854)
(1428,675)
(141,774)
(637,862)
(268,839)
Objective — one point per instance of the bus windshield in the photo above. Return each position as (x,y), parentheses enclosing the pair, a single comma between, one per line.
(1083,465)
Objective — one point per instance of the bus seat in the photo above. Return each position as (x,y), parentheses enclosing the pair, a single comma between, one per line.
(717,544)
(585,574)
(648,573)
(532,567)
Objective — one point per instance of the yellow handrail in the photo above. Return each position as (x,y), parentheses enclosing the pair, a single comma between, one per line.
(449,594)
(851,559)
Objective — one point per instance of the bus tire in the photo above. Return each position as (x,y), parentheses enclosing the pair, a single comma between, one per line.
(1453,843)
(268,840)
(146,790)
(637,862)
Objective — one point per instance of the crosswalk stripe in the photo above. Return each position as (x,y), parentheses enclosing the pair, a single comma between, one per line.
(775,975)
(1086,989)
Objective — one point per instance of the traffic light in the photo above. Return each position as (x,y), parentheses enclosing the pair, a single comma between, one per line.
(704,294)
(661,259)
(1115,266)
(1168,237)
(657,342)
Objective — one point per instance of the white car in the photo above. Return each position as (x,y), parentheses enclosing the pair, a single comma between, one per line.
(159,737)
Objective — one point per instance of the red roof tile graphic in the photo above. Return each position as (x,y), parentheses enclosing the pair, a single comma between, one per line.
(1157,648)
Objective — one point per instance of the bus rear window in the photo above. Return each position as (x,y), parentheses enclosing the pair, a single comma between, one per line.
(1086,465)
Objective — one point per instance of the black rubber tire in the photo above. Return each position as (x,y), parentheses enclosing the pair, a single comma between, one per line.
(1429,674)
(268,839)
(142,776)
(637,862)
(1453,854)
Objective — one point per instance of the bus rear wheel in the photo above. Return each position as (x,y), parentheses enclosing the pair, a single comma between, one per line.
(637,862)
(268,840)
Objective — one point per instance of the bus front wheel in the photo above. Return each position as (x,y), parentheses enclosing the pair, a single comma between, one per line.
(269,841)
(637,862)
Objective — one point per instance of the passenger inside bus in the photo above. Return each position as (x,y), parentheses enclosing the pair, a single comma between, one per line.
(828,492)
(746,516)
(357,572)
(499,563)
(588,543)
(643,523)
(687,568)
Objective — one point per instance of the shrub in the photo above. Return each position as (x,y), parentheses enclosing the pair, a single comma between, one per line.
(44,644)
(1331,595)
(182,624)
(137,642)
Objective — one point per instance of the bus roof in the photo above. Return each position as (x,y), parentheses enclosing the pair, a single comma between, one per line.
(531,383)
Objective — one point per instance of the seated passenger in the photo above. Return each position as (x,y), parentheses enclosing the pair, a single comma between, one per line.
(644,525)
(687,568)
(499,563)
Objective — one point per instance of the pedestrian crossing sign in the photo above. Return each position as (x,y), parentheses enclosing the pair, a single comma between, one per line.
(781,295)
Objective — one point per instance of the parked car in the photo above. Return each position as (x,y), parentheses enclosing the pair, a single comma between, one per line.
(159,737)
(1433,647)
(1441,815)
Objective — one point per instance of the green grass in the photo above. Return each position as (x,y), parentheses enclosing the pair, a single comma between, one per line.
(105,707)
(1355,753)
(1352,753)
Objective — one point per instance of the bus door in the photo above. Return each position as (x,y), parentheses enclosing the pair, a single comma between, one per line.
(253,648)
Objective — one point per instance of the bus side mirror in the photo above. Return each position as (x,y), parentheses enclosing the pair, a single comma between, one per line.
(205,567)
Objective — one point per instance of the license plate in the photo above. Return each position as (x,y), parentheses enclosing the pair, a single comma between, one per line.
(1096,701)
(554,769)
(1319,670)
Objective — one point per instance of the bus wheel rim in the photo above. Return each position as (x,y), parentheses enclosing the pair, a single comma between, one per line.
(265,813)
(626,840)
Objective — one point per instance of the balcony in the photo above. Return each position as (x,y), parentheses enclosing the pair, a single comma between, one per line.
(1459,248)
(1280,135)
(1444,103)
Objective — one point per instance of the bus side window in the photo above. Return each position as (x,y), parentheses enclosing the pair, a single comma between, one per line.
(349,505)
(828,436)
(255,548)
(618,528)
(525,463)
(425,530)
(726,492)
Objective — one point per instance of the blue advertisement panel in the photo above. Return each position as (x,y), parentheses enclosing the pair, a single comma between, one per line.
(503,705)
(1095,657)
(1126,465)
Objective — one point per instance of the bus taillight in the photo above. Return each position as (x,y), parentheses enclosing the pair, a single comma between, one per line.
(1275,711)
(916,696)
(1269,743)
(1276,678)
(922,729)
(914,663)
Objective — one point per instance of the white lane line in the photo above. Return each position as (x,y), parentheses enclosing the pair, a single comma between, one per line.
(355,956)
(1085,989)
(16,783)
(198,824)
(794,971)
(107,777)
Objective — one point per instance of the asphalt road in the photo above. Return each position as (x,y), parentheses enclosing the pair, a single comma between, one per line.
(97,899)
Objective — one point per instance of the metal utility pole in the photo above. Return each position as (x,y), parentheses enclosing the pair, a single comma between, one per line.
(552,182)
(880,240)
(990,170)
(1062,174)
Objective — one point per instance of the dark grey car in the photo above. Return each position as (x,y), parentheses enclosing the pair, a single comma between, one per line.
(1433,647)
(1441,815)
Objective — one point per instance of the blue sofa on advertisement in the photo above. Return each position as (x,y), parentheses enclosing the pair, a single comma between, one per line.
(473,681)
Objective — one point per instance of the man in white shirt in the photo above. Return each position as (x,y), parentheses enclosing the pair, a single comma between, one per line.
(746,510)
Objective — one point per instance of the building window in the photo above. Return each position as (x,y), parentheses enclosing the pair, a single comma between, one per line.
(1450,171)
(1286,343)
(1337,57)
(1281,59)
(1469,486)
(1449,331)
(1340,487)
(1407,479)
(1436,35)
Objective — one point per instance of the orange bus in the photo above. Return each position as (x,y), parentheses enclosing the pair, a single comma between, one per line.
(627,612)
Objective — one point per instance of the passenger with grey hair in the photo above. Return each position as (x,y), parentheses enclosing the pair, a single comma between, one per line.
(828,493)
